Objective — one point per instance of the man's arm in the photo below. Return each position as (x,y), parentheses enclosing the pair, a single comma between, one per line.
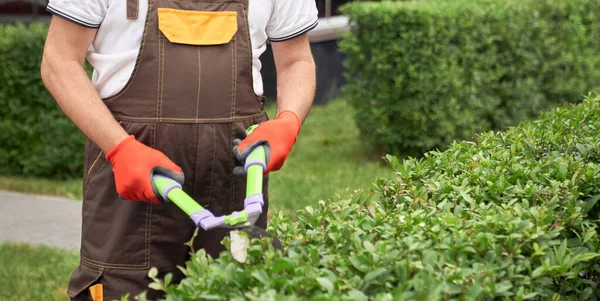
(296,75)
(295,92)
(63,73)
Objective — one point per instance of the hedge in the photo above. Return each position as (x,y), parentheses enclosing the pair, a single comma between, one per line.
(422,74)
(36,138)
(510,215)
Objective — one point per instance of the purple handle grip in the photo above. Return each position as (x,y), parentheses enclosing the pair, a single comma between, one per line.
(206,219)
(255,162)
(253,204)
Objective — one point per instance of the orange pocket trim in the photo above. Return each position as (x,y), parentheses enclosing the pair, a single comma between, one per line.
(97,292)
(197,27)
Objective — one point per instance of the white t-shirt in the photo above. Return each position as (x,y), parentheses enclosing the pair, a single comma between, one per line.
(116,46)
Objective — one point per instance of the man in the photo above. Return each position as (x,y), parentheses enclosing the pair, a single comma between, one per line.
(175,83)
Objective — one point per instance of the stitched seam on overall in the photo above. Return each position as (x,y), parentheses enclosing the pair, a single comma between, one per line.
(93,177)
(98,270)
(88,180)
(95,161)
(199,77)
(139,57)
(159,90)
(149,209)
(100,264)
(148,234)
(212,173)
(199,120)
(233,99)
(92,166)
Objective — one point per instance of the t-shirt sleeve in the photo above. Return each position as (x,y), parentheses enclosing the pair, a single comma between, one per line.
(291,18)
(88,13)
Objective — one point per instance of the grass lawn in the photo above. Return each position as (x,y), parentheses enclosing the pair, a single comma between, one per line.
(327,160)
(34,273)
(69,188)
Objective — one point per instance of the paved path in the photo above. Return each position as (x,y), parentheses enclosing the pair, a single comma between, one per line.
(40,220)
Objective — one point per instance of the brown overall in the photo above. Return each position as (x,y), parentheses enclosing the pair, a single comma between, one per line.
(190,95)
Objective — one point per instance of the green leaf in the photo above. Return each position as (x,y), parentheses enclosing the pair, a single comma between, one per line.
(587,256)
(357,295)
(537,272)
(368,246)
(153,273)
(168,279)
(261,276)
(374,274)
(466,196)
(563,168)
(209,297)
(530,296)
(155,286)
(430,258)
(503,288)
(475,291)
(562,250)
(326,284)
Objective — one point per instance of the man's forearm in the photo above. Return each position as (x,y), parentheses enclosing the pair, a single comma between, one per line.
(70,86)
(296,88)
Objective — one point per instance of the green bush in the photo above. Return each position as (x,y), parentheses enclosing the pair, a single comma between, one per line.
(36,138)
(510,215)
(422,74)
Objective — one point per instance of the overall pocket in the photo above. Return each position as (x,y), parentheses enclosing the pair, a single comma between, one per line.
(115,232)
(198,59)
(197,27)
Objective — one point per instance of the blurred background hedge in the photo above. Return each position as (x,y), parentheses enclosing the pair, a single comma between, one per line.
(420,74)
(424,73)
(36,138)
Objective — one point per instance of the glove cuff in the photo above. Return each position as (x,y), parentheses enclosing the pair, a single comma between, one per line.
(117,148)
(291,116)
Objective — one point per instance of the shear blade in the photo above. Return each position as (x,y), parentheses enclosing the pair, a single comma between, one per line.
(239,246)
(241,242)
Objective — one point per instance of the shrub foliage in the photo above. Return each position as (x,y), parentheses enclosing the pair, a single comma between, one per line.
(36,138)
(511,215)
(425,73)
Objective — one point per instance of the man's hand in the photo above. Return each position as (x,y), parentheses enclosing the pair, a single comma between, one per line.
(134,164)
(295,93)
(277,136)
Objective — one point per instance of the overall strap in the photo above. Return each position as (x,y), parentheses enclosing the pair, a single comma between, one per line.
(132,9)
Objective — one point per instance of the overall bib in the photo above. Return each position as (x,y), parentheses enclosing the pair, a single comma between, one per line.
(190,95)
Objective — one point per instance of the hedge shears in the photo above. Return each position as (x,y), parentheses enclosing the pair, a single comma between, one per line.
(243,220)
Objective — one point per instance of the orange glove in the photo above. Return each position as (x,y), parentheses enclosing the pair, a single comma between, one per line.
(277,136)
(133,165)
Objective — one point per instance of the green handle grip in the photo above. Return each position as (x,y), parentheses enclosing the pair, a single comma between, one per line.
(175,194)
(255,171)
